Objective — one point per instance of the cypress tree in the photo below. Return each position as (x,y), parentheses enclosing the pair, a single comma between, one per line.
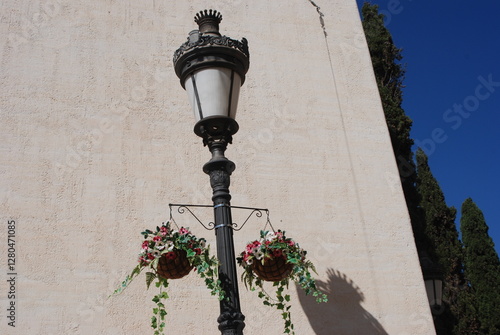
(460,316)
(482,266)
(432,221)
(389,74)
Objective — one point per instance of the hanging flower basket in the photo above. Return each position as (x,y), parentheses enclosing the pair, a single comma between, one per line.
(272,269)
(172,254)
(174,265)
(278,259)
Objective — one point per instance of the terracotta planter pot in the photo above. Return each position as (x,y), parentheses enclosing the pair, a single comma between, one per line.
(273,269)
(171,267)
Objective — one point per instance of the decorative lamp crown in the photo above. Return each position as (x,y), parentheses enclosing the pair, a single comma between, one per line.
(208,21)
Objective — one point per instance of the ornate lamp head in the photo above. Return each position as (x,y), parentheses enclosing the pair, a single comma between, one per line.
(212,69)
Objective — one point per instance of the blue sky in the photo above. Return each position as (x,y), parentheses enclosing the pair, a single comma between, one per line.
(452,94)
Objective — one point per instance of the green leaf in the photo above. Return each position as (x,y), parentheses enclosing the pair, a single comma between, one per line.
(150,277)
(136,271)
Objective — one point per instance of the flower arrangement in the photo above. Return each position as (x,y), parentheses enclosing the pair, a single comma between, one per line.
(278,259)
(172,254)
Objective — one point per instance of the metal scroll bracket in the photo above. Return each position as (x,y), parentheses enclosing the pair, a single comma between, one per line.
(182,208)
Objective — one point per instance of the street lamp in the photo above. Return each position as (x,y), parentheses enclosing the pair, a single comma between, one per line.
(433,278)
(212,68)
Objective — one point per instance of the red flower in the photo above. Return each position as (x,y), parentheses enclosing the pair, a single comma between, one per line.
(150,256)
(163,230)
(277,253)
(171,255)
(145,244)
(197,250)
(157,238)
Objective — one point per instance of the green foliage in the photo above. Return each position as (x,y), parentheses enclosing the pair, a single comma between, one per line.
(482,266)
(159,312)
(150,277)
(136,271)
(439,218)
(389,74)
(446,249)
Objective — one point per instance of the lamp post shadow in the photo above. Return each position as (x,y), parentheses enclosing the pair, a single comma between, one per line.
(343,313)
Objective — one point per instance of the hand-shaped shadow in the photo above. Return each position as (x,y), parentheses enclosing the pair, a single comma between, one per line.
(343,313)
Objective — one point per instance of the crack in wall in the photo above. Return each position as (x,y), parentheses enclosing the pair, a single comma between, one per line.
(355,179)
(321,15)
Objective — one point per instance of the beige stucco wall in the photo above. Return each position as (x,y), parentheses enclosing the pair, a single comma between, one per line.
(96,139)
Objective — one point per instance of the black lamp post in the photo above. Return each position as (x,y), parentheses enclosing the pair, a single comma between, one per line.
(212,69)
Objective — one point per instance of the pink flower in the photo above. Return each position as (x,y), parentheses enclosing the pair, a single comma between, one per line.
(157,238)
(256,244)
(163,230)
(245,256)
(151,256)
(250,247)
(279,235)
(291,243)
(145,244)
(183,231)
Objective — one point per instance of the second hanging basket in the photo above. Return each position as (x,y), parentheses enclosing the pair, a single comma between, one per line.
(174,265)
(272,269)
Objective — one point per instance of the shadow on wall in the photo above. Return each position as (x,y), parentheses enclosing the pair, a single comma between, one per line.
(343,313)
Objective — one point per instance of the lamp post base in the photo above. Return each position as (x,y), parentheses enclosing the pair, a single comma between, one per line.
(231,323)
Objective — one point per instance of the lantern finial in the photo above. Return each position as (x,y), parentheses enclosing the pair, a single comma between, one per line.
(208,21)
